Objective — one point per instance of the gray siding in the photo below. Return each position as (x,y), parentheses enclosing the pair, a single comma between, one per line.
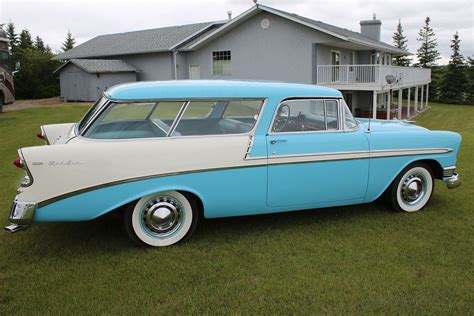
(153,66)
(78,85)
(282,52)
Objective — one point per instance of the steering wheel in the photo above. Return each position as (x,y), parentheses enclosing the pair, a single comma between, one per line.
(282,118)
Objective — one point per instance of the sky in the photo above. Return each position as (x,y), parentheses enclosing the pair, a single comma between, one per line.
(86,19)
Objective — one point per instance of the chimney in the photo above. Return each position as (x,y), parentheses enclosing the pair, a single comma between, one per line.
(371,28)
(229,15)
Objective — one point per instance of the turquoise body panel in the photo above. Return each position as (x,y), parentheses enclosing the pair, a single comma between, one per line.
(269,188)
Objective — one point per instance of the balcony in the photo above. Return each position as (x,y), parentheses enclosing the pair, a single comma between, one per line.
(370,77)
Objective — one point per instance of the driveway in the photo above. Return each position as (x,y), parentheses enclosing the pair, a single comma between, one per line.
(39,103)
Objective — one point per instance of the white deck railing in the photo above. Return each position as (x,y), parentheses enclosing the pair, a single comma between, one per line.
(371,74)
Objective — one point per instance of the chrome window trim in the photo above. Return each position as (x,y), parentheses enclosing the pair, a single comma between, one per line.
(251,132)
(337,99)
(178,117)
(343,117)
(93,118)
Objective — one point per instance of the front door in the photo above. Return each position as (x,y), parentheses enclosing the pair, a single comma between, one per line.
(194,72)
(335,62)
(311,160)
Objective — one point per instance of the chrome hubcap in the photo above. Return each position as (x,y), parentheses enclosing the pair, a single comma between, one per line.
(413,188)
(162,216)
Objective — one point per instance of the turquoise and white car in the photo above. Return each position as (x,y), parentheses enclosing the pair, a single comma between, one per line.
(167,153)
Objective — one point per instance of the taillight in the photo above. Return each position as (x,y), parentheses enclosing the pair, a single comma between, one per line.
(40,135)
(19,163)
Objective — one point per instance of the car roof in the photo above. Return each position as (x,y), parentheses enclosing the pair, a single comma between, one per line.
(212,89)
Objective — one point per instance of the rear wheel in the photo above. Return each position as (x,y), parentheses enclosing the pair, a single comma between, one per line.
(161,219)
(412,188)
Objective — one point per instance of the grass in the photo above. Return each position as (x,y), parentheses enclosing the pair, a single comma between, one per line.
(361,259)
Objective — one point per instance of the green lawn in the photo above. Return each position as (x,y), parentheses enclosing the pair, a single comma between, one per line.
(361,259)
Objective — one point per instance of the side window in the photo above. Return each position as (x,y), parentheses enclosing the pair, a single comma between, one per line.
(331,114)
(305,116)
(219,117)
(242,109)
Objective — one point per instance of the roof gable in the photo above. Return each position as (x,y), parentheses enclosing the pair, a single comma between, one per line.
(100,65)
(340,33)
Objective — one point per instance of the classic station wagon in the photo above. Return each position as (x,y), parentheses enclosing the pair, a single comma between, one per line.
(166,153)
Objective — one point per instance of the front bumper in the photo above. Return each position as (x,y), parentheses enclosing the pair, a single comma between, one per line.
(21,216)
(453,182)
(452,179)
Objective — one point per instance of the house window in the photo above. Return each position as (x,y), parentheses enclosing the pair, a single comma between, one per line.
(221,63)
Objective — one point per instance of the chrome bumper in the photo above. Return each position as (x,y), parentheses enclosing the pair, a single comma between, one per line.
(21,216)
(453,182)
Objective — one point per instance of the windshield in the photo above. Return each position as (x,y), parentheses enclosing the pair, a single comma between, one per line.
(91,113)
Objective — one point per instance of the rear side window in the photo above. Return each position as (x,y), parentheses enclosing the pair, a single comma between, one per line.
(135,120)
(219,117)
(306,115)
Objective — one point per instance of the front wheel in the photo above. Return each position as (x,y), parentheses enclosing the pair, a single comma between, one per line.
(161,219)
(412,188)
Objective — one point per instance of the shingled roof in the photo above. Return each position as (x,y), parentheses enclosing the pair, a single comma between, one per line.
(137,42)
(100,65)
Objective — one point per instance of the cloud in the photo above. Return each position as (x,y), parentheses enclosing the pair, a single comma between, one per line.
(87,19)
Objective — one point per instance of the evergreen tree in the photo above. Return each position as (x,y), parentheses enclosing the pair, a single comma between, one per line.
(470,81)
(454,83)
(12,36)
(427,54)
(400,41)
(39,44)
(25,40)
(69,42)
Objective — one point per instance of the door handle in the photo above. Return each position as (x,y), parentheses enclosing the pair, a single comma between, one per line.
(273,142)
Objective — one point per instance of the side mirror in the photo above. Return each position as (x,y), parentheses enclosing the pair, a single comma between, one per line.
(17,66)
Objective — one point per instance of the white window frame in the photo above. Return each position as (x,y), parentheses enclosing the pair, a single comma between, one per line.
(230,63)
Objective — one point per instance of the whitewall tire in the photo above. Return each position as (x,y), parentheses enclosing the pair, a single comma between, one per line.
(161,219)
(412,189)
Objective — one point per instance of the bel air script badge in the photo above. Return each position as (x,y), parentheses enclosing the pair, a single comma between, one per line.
(64,163)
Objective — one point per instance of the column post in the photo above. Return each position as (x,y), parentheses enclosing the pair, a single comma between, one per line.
(374,105)
(389,101)
(400,98)
(416,99)
(426,98)
(408,102)
(421,99)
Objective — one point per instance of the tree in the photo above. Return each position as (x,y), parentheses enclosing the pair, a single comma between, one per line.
(454,83)
(69,42)
(39,44)
(400,41)
(470,81)
(25,40)
(427,54)
(12,36)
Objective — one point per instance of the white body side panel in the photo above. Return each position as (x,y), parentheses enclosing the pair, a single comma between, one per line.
(82,164)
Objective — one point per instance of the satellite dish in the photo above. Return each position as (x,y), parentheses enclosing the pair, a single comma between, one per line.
(390,79)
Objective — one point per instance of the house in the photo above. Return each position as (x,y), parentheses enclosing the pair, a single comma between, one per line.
(264,43)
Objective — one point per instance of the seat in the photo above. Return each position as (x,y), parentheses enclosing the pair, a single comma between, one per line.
(231,126)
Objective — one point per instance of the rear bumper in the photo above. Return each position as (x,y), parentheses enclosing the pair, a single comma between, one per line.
(21,216)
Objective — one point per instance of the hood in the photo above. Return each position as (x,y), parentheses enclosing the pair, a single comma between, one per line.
(390,125)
